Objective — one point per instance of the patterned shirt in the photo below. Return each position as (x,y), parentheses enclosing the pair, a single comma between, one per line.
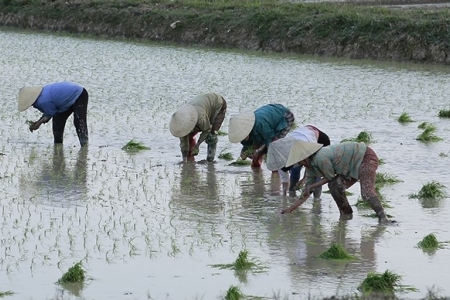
(270,121)
(339,159)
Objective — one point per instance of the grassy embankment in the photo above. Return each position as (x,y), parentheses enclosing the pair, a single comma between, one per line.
(330,29)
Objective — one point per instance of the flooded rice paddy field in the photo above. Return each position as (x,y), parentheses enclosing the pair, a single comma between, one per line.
(146,227)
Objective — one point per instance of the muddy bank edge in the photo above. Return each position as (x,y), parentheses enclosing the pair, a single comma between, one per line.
(316,29)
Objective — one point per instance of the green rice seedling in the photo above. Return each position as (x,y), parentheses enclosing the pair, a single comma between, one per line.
(226,155)
(385,179)
(134,146)
(7,293)
(433,293)
(431,190)
(442,154)
(221,133)
(234,293)
(375,216)
(405,118)
(381,161)
(429,242)
(424,125)
(242,263)
(241,162)
(75,274)
(428,135)
(444,113)
(336,251)
(363,137)
(386,282)
(360,203)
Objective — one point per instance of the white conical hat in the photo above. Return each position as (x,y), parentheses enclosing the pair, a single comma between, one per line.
(27,96)
(183,120)
(278,153)
(240,126)
(301,150)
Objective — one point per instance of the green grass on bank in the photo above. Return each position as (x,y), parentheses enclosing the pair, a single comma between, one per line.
(266,24)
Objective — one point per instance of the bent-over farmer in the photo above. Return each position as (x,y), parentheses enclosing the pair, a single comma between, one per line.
(341,166)
(256,130)
(278,153)
(204,113)
(57,101)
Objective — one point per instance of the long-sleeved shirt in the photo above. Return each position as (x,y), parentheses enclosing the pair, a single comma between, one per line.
(306,134)
(57,98)
(269,123)
(339,159)
(208,107)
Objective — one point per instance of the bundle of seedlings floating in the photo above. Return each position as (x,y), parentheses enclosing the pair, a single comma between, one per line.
(428,134)
(226,155)
(430,243)
(431,190)
(387,282)
(336,251)
(241,162)
(4,294)
(405,118)
(234,293)
(362,137)
(75,274)
(385,179)
(444,113)
(424,125)
(134,146)
(242,263)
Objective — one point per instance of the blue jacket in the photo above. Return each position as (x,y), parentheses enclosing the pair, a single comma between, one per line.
(269,123)
(57,98)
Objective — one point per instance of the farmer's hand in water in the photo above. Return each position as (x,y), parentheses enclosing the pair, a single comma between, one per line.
(296,204)
(195,151)
(34,126)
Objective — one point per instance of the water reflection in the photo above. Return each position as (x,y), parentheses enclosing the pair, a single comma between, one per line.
(299,240)
(198,190)
(57,183)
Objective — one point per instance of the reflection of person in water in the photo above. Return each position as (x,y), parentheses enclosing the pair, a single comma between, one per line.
(299,241)
(57,182)
(196,191)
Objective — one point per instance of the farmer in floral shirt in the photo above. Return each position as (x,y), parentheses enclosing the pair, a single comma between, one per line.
(341,166)
(256,130)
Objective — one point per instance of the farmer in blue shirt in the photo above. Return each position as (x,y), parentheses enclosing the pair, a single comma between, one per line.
(57,101)
(256,130)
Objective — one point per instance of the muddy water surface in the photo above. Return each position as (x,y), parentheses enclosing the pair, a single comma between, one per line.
(146,227)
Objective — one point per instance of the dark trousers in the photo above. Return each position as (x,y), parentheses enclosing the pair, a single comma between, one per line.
(79,110)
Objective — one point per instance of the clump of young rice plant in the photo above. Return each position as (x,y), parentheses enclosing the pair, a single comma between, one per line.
(241,162)
(234,293)
(385,179)
(386,282)
(405,118)
(381,161)
(7,293)
(375,216)
(442,154)
(226,156)
(362,137)
(222,133)
(242,263)
(424,125)
(431,190)
(429,243)
(347,193)
(364,204)
(336,251)
(444,113)
(75,274)
(428,134)
(134,146)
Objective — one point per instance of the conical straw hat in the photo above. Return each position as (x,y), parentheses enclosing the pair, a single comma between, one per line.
(278,153)
(301,150)
(183,120)
(27,96)
(240,126)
